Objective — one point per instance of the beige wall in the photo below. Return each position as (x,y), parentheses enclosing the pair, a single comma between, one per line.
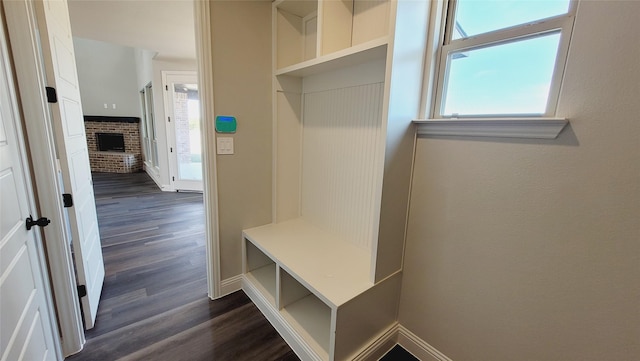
(241,47)
(530,250)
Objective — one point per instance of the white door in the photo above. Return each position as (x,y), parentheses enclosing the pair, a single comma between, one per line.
(61,74)
(183,130)
(26,331)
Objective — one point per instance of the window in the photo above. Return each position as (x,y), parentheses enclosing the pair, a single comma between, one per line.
(148,127)
(501,58)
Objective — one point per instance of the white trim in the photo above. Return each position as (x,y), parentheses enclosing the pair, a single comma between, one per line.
(171,76)
(435,29)
(381,346)
(561,61)
(538,128)
(154,174)
(509,35)
(418,347)
(23,32)
(202,14)
(230,285)
(436,88)
(274,119)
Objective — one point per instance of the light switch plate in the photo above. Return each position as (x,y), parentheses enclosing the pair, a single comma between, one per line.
(225,145)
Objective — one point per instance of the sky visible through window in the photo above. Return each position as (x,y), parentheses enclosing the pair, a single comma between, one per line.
(510,78)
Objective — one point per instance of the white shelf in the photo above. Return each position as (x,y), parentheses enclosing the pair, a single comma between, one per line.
(359,54)
(265,279)
(333,269)
(312,319)
(505,127)
(298,8)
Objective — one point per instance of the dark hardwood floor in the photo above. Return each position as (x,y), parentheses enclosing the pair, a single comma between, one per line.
(398,353)
(154,303)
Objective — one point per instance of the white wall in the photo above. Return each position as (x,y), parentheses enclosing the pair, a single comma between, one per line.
(144,66)
(107,75)
(530,250)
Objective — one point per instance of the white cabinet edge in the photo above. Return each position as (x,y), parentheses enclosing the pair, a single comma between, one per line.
(297,343)
(538,128)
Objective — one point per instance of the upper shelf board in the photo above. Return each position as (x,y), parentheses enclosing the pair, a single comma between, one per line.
(299,8)
(359,54)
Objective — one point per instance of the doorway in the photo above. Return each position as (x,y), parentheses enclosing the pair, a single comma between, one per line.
(182,104)
(31,89)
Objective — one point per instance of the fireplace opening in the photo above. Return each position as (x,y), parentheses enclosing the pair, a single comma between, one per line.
(110,142)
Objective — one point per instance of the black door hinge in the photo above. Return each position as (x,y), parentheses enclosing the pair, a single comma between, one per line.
(40,222)
(82,291)
(169,119)
(67,200)
(170,149)
(166,87)
(52,96)
(173,179)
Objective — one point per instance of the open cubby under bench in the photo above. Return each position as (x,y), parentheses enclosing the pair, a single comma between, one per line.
(316,290)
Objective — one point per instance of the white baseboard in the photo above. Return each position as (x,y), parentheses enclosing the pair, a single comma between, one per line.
(155,176)
(396,334)
(230,285)
(382,344)
(418,347)
(399,335)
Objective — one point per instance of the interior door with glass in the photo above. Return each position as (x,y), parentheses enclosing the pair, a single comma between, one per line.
(183,130)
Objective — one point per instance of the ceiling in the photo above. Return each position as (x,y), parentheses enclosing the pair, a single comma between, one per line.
(163,26)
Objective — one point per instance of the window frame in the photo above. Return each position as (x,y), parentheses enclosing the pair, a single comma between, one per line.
(440,44)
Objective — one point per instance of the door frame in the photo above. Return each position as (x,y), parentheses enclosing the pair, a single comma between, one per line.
(26,52)
(172,154)
(204,57)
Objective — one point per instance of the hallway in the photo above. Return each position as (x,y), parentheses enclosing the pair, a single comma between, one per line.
(154,303)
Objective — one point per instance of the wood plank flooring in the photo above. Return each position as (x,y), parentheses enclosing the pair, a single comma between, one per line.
(154,303)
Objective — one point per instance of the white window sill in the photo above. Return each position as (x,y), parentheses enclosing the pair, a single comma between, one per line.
(539,128)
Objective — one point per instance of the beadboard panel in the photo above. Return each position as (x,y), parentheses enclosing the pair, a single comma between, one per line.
(342,130)
(287,160)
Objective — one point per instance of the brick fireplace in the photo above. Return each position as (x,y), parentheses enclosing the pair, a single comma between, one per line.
(120,141)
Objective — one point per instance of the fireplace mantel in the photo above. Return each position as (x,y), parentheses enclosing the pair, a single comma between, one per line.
(110,119)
